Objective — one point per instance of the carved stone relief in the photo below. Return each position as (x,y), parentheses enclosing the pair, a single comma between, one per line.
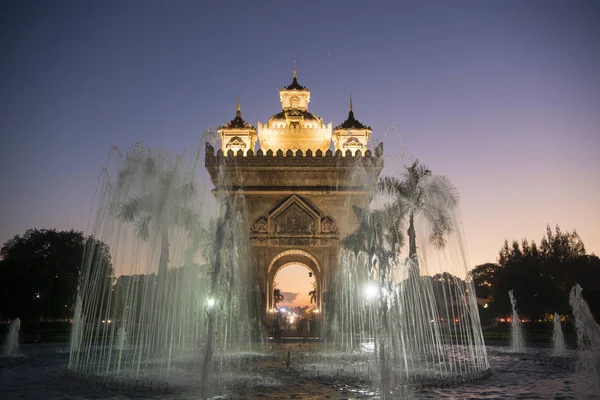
(260,225)
(328,226)
(236,142)
(294,220)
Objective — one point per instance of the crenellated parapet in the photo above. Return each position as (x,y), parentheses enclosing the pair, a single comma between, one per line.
(299,170)
(291,158)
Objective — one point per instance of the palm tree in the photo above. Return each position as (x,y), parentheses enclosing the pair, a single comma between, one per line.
(313,296)
(277,296)
(422,193)
(164,205)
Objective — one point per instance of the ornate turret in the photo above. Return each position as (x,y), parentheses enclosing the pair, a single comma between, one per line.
(294,128)
(295,85)
(351,134)
(237,134)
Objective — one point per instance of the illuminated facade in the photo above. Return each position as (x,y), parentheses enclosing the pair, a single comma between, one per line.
(298,192)
(237,134)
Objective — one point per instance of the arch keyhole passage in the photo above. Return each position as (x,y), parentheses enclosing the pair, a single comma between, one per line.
(288,272)
(296,286)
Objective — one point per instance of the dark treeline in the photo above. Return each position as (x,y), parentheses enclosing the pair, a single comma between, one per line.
(540,276)
(39,272)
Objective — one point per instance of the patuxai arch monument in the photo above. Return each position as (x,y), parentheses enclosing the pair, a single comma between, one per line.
(299,192)
(287,194)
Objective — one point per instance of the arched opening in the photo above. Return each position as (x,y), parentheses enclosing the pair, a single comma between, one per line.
(301,264)
(295,285)
(295,300)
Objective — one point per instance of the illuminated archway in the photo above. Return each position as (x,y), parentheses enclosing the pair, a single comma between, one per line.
(287,258)
(296,282)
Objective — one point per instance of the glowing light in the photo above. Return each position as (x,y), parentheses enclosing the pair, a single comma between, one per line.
(210,302)
(368,347)
(486,305)
(316,311)
(371,291)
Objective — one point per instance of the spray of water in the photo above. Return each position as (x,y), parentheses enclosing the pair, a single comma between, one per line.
(179,305)
(175,293)
(588,333)
(11,343)
(408,320)
(517,340)
(559,347)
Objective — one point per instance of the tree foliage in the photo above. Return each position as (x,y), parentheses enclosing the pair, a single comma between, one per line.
(541,277)
(39,272)
(419,192)
(163,202)
(277,296)
(379,233)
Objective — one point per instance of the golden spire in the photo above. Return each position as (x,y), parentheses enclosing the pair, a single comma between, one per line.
(238,108)
(294,69)
(238,113)
(350,101)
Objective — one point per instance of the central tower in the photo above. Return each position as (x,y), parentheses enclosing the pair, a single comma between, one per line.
(298,193)
(294,127)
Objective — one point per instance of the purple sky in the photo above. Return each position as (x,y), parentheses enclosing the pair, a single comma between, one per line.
(503,97)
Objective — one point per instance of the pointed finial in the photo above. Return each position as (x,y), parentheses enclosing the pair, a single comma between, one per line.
(238,108)
(350,101)
(294,69)
(238,113)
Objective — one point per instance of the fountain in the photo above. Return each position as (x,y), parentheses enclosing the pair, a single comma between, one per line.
(121,339)
(559,347)
(184,311)
(11,344)
(517,341)
(588,333)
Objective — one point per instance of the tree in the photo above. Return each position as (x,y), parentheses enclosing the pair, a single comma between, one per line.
(448,294)
(422,193)
(39,272)
(559,250)
(164,203)
(483,279)
(541,277)
(277,296)
(313,296)
(379,233)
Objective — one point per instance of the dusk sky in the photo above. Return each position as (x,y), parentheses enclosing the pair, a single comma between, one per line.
(502,97)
